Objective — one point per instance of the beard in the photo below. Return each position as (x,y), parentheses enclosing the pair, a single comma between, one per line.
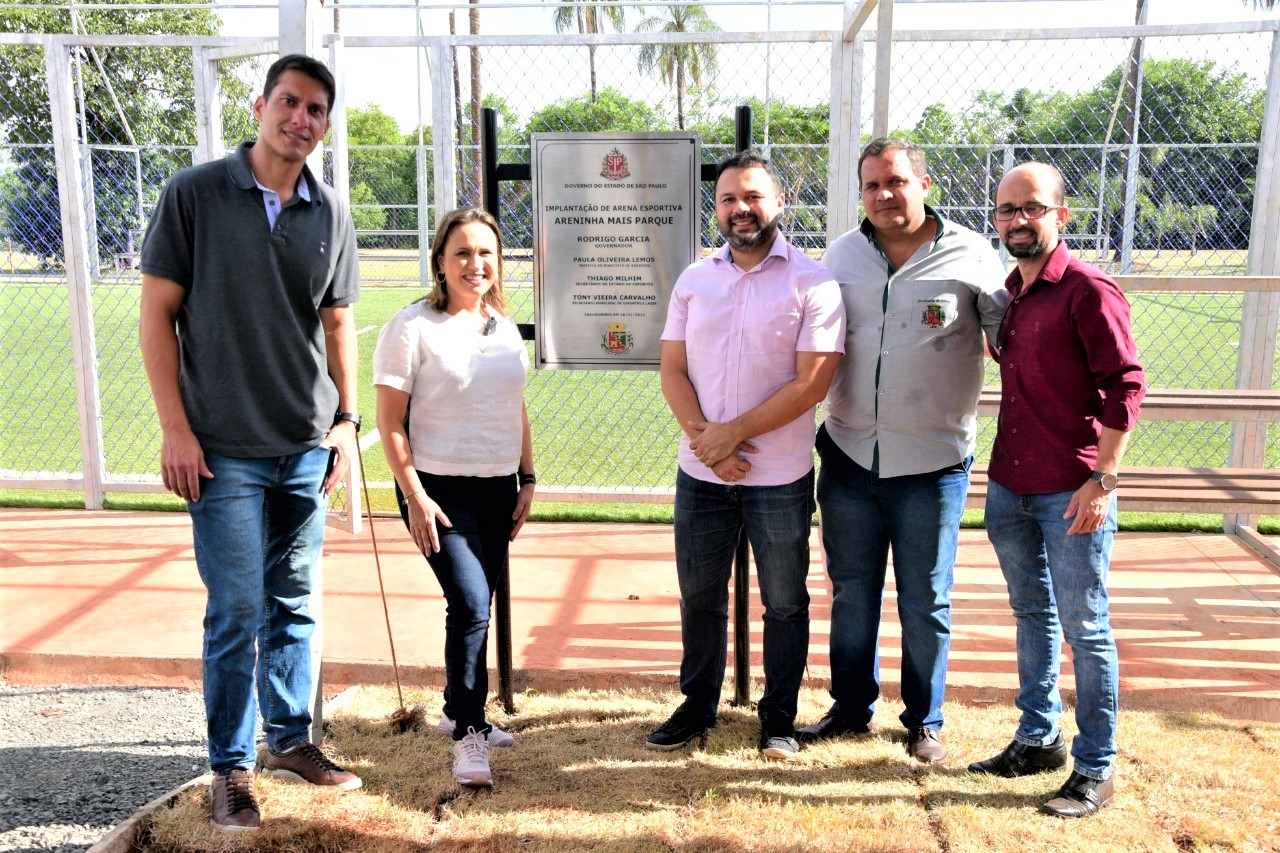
(1034,249)
(762,235)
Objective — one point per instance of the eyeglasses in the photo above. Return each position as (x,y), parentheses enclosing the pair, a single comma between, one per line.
(1005,212)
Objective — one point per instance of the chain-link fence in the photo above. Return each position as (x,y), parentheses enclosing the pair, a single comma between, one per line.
(1159,159)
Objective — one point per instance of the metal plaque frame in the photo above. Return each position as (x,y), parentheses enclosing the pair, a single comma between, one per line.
(616,220)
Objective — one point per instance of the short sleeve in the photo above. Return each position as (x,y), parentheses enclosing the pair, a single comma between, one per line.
(167,250)
(398,355)
(824,319)
(344,286)
(992,295)
(677,313)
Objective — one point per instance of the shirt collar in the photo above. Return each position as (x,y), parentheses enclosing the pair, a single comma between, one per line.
(1050,273)
(778,249)
(242,174)
(869,231)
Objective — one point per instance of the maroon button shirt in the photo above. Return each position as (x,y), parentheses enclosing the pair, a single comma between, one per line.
(1068,367)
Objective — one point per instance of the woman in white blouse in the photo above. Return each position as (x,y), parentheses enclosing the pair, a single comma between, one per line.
(451,367)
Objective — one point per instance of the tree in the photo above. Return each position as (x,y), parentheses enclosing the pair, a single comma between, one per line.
(383,175)
(1183,101)
(801,134)
(589,17)
(132,97)
(679,64)
(1171,218)
(610,110)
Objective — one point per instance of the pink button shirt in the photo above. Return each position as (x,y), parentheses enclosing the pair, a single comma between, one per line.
(742,331)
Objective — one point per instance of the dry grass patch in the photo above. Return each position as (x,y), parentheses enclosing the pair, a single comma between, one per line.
(581,779)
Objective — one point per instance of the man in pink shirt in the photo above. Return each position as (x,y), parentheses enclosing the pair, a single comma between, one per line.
(753,336)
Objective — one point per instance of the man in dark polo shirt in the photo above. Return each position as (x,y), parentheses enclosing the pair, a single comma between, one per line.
(248,338)
(1071,388)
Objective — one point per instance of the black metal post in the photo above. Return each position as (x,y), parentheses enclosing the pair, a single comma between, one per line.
(742,558)
(742,623)
(742,128)
(489,160)
(502,613)
(502,593)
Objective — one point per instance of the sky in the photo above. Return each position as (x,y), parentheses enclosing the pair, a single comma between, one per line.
(385,76)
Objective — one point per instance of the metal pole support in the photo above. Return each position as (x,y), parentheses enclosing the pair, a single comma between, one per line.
(742,623)
(502,592)
(742,557)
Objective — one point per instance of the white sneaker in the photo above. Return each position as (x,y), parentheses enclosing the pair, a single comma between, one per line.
(497,737)
(471,761)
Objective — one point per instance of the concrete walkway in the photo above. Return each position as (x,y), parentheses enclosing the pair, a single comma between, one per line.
(114,598)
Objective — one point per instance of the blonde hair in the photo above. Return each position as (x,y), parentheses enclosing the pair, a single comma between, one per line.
(438,298)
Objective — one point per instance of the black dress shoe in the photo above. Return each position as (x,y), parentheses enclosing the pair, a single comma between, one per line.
(1080,797)
(1018,759)
(685,725)
(831,726)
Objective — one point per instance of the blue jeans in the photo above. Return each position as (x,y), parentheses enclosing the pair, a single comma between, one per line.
(259,528)
(472,555)
(709,520)
(1058,587)
(863,517)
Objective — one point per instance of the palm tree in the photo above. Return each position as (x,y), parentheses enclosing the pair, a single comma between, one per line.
(678,64)
(587,18)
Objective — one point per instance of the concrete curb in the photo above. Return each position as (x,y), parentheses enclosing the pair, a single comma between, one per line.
(124,837)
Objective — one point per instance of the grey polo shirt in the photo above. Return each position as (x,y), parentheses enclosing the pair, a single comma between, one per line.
(253,370)
(905,397)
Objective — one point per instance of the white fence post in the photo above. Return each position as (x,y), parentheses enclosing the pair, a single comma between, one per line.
(444,145)
(209,144)
(75,254)
(846,123)
(884,68)
(1261,311)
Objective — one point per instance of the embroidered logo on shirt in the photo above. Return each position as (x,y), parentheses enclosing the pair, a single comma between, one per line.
(617,340)
(934,315)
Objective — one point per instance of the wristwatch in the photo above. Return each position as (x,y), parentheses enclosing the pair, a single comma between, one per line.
(1106,480)
(350,417)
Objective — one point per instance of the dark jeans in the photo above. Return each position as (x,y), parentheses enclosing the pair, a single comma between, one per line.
(864,516)
(710,517)
(471,556)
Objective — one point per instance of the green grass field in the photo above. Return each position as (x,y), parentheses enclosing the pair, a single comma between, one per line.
(591,428)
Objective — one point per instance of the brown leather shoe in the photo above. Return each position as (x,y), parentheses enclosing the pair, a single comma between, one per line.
(305,763)
(925,745)
(235,803)
(1081,796)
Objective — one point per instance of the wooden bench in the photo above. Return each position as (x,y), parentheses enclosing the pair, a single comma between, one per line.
(1228,492)
(1183,404)
(1220,491)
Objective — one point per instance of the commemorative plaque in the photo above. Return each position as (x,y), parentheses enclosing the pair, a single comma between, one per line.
(615,223)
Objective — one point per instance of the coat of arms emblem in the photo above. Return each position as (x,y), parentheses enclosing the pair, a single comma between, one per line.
(617,340)
(934,316)
(614,166)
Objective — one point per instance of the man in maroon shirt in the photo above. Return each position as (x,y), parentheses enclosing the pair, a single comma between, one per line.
(1071,387)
